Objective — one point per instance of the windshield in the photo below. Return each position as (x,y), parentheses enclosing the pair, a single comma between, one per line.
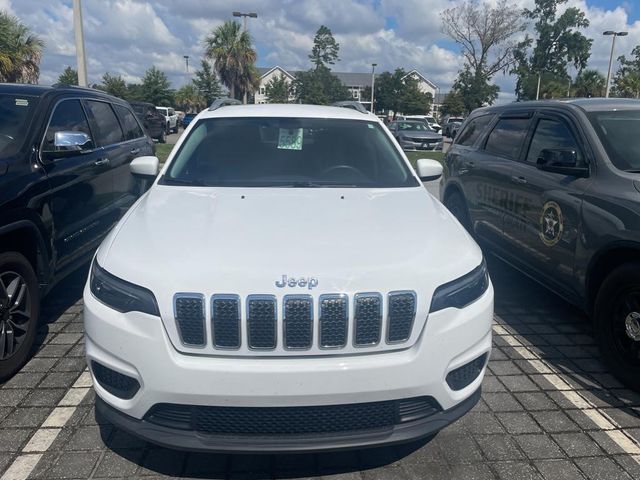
(414,127)
(15,114)
(139,109)
(288,152)
(619,132)
(163,111)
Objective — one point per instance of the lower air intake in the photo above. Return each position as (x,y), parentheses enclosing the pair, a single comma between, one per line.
(463,376)
(116,383)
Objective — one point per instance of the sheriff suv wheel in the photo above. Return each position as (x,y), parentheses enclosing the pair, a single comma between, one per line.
(19,305)
(617,323)
(458,207)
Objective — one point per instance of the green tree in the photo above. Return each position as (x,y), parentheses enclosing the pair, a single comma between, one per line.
(486,37)
(325,48)
(389,89)
(278,90)
(453,104)
(207,83)
(558,43)
(69,76)
(624,79)
(589,83)
(319,87)
(135,92)
(20,51)
(188,98)
(412,100)
(233,57)
(114,85)
(156,88)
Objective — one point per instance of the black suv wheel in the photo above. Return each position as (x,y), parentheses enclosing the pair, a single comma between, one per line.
(617,323)
(19,308)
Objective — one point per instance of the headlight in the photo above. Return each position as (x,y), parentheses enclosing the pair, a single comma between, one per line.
(119,294)
(462,291)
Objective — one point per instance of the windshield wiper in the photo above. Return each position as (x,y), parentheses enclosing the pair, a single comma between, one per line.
(315,185)
(182,182)
(632,170)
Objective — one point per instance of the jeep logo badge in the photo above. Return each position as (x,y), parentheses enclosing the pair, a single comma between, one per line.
(285,281)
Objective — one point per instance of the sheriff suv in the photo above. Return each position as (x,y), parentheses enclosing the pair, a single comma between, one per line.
(554,188)
(261,297)
(64,182)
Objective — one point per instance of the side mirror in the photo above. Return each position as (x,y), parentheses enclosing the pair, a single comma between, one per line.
(561,160)
(429,170)
(67,143)
(147,166)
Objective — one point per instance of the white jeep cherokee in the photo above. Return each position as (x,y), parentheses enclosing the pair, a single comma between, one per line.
(287,284)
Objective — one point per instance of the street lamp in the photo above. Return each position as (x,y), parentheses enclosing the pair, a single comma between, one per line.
(245,15)
(373,82)
(79,37)
(186,62)
(613,44)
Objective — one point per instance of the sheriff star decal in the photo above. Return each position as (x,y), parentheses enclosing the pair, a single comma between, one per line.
(551,224)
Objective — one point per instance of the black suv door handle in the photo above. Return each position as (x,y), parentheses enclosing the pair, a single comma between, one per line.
(520,180)
(134,151)
(100,162)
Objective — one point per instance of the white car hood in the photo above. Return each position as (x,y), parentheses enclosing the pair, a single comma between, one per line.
(241,241)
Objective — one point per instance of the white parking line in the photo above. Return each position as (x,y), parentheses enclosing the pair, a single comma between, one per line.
(615,432)
(44,437)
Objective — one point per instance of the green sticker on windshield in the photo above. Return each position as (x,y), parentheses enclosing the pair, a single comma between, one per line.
(290,139)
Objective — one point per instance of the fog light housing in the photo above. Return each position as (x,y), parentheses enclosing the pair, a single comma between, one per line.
(116,383)
(462,376)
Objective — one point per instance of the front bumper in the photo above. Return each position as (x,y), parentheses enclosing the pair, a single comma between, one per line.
(424,146)
(137,345)
(192,441)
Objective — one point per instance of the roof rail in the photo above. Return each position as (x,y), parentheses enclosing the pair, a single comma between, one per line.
(352,104)
(223,102)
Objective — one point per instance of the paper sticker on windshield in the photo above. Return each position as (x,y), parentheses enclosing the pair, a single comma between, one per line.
(22,102)
(290,139)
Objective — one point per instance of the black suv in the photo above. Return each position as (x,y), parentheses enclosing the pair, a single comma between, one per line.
(554,188)
(152,120)
(64,182)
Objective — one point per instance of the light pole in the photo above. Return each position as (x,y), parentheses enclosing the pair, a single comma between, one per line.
(244,16)
(80,56)
(373,82)
(613,44)
(186,62)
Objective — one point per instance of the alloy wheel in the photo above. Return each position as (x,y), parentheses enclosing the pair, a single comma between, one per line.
(626,327)
(15,312)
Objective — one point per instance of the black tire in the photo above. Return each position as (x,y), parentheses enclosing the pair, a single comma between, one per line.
(163,137)
(617,310)
(18,321)
(168,129)
(457,205)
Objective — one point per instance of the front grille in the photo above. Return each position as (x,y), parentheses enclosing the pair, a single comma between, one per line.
(334,318)
(298,321)
(225,321)
(189,314)
(261,321)
(283,421)
(116,383)
(402,311)
(368,318)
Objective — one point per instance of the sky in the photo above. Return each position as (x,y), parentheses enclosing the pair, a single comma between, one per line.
(126,37)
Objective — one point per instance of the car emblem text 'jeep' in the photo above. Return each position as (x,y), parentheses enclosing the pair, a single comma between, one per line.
(310,282)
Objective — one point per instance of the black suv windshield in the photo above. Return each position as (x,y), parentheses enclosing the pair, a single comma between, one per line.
(288,152)
(619,132)
(15,114)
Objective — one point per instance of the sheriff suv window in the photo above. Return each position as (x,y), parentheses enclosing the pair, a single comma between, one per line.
(506,138)
(618,132)
(288,152)
(473,130)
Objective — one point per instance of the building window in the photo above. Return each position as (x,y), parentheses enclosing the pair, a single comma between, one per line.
(355,93)
(261,90)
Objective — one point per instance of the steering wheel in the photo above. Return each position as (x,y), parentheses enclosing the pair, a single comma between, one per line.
(350,168)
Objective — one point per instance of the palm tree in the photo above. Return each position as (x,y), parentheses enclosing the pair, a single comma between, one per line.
(629,85)
(189,98)
(589,83)
(20,51)
(233,57)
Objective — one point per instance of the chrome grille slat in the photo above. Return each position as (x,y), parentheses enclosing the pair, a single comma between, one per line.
(225,321)
(261,322)
(190,318)
(298,322)
(402,312)
(367,319)
(334,318)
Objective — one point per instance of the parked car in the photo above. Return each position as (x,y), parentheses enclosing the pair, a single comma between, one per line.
(188,117)
(449,123)
(317,348)
(415,135)
(171,119)
(64,182)
(435,126)
(152,120)
(554,189)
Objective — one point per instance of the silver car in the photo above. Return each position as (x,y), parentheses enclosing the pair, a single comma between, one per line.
(415,135)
